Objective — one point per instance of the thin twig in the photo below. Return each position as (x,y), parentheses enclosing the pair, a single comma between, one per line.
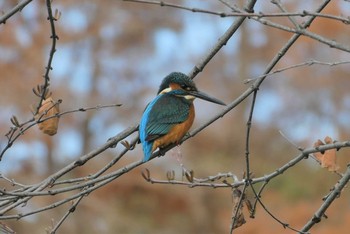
(14,10)
(48,68)
(237,207)
(316,218)
(304,64)
(300,30)
(282,8)
(345,20)
(222,41)
(15,133)
(285,225)
(70,211)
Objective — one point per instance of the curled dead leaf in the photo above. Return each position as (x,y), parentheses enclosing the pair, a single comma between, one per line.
(48,109)
(328,158)
(237,212)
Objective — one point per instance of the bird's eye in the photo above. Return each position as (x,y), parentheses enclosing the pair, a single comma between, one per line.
(185,87)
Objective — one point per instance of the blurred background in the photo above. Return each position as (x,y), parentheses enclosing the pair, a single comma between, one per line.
(118,52)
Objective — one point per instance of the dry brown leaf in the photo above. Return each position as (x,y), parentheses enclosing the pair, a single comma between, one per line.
(238,207)
(328,140)
(328,159)
(48,108)
(318,155)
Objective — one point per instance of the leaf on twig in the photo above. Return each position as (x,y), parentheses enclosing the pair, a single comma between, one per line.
(327,159)
(237,213)
(48,109)
(249,207)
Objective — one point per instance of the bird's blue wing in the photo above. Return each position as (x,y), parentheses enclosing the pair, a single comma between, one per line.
(159,117)
(165,112)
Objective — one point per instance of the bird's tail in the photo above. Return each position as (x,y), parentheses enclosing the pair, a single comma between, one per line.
(147,150)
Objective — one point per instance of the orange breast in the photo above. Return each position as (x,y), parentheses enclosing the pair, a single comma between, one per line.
(176,133)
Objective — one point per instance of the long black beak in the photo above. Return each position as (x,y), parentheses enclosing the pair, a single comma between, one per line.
(206,97)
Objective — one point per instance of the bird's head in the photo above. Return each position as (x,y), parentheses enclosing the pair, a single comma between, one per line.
(181,85)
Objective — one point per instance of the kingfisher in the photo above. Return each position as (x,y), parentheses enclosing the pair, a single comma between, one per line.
(169,116)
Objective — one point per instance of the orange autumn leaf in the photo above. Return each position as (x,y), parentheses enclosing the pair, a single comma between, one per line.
(327,159)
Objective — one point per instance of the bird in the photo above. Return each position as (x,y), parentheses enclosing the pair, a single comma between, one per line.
(169,116)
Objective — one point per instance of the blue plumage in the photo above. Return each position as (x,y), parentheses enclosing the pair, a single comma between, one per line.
(147,145)
(160,116)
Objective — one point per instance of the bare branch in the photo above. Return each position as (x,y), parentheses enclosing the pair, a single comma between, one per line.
(54,38)
(70,211)
(328,201)
(304,64)
(243,14)
(222,41)
(14,10)
(15,133)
